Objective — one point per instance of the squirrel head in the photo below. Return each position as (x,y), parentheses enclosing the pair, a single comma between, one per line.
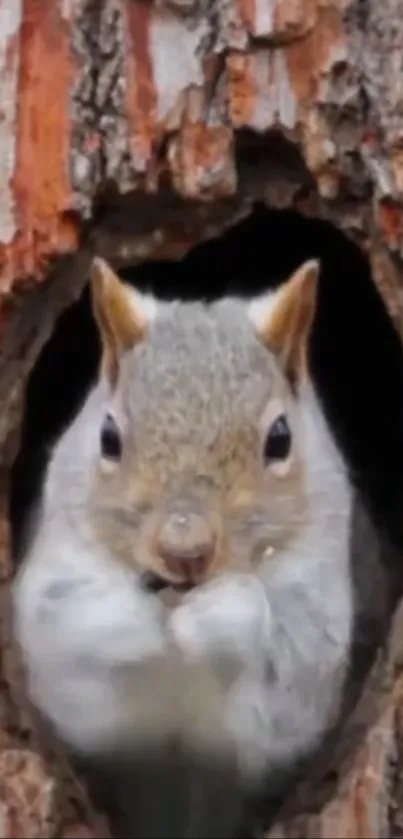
(200,466)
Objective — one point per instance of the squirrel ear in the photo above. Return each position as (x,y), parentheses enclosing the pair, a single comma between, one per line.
(121,312)
(283,319)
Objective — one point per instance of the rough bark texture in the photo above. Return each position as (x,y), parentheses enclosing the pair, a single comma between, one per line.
(138,128)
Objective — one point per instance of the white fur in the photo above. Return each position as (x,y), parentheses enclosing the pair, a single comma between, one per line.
(261,308)
(144,304)
(254,660)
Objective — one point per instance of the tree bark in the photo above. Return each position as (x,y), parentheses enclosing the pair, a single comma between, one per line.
(136,129)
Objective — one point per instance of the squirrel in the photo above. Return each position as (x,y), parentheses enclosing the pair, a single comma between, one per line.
(188,578)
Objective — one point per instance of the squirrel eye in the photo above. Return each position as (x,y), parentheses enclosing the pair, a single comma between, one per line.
(278,441)
(111,444)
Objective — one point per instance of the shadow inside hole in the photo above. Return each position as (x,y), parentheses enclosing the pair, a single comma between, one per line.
(56,388)
(356,358)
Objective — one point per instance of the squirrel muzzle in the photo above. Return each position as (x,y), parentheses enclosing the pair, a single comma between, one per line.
(186,542)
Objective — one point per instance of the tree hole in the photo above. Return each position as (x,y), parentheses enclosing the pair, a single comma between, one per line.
(356,357)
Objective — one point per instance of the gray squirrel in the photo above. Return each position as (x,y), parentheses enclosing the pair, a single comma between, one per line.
(188,577)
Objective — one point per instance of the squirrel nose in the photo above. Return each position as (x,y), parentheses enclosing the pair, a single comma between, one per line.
(186,545)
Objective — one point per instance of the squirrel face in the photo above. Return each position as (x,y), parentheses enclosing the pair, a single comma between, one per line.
(200,468)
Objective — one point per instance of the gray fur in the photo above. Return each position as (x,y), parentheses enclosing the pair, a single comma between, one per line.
(251,665)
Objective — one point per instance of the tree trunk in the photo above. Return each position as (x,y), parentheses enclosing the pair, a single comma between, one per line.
(137,129)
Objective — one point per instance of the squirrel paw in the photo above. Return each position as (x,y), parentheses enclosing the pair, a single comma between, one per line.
(225,621)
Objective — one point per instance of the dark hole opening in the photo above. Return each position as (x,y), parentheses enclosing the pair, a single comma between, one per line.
(356,357)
